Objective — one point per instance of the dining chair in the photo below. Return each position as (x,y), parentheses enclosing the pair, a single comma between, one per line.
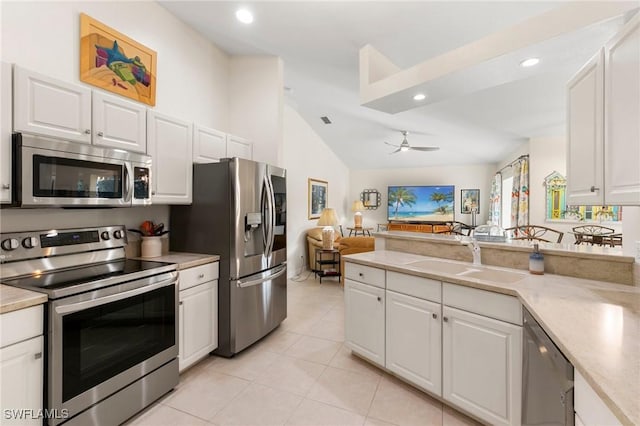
(455,228)
(595,234)
(534,232)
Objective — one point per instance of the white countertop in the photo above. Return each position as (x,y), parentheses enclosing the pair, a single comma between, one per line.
(596,325)
(184,260)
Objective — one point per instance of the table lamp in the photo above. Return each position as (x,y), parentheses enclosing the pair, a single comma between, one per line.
(357,207)
(328,219)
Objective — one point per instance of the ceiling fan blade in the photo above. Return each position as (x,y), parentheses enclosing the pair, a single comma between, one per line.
(424,148)
(393,152)
(390,144)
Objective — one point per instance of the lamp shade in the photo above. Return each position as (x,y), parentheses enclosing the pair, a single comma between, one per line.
(357,206)
(328,218)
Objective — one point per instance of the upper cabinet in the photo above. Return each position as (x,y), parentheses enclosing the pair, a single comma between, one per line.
(603,149)
(5,132)
(118,123)
(170,145)
(49,107)
(210,145)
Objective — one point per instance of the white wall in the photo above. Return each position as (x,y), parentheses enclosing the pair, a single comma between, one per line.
(307,156)
(463,177)
(255,104)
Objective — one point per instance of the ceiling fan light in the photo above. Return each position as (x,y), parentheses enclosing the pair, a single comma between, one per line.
(244,15)
(404,148)
(420,97)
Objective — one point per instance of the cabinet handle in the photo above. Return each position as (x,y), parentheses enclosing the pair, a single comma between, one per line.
(434,315)
(201,276)
(360,274)
(379,299)
(594,189)
(87,131)
(180,303)
(6,186)
(100,134)
(153,192)
(38,355)
(445,319)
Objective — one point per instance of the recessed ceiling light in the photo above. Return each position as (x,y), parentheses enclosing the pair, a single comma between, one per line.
(529,62)
(420,97)
(244,16)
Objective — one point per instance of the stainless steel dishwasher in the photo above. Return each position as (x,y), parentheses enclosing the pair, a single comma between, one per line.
(547,379)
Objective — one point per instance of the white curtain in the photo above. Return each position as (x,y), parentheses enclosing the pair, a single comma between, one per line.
(495,201)
(520,193)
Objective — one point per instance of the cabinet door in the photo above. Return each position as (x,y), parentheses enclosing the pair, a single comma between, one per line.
(169,145)
(364,320)
(21,379)
(239,147)
(482,366)
(209,145)
(414,340)
(118,123)
(622,116)
(198,316)
(585,133)
(48,107)
(5,132)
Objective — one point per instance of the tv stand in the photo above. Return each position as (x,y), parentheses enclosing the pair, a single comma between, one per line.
(427,228)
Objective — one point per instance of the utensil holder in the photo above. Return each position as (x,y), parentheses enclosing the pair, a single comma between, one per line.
(151,247)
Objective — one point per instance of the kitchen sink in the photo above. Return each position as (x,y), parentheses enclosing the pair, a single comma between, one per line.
(493,275)
(440,266)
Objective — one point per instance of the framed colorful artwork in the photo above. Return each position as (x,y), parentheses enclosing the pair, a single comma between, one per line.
(469,201)
(318,194)
(114,62)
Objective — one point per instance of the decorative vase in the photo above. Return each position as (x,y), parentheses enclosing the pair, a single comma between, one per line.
(151,247)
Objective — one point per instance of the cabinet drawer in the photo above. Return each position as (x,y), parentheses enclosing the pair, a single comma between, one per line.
(198,275)
(423,288)
(365,274)
(487,303)
(20,325)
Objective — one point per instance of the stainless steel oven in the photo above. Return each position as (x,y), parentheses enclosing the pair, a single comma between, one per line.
(111,323)
(52,173)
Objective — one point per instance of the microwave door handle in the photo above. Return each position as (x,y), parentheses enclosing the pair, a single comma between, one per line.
(128,182)
(75,307)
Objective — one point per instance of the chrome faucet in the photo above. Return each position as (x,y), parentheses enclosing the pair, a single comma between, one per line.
(475,251)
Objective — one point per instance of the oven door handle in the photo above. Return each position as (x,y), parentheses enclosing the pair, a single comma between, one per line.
(75,307)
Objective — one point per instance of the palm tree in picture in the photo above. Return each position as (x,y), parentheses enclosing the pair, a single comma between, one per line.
(401,197)
(439,198)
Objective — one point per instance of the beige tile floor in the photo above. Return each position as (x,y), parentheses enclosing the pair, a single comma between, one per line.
(301,374)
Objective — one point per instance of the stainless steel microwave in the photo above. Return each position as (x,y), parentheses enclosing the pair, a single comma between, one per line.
(53,173)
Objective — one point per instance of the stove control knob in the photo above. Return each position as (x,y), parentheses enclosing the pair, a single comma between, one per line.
(10,244)
(117,234)
(104,235)
(30,242)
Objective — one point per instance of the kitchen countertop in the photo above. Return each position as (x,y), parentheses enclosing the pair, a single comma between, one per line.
(184,260)
(13,298)
(596,325)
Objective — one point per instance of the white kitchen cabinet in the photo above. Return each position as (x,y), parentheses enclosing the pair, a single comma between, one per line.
(49,107)
(21,363)
(413,340)
(118,123)
(5,132)
(603,107)
(239,147)
(622,116)
(590,409)
(482,366)
(585,136)
(209,145)
(198,313)
(365,320)
(169,144)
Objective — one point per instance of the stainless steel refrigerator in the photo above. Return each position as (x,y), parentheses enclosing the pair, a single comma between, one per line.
(239,212)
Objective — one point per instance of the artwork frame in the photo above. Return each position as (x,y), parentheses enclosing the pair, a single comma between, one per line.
(318,197)
(469,200)
(114,62)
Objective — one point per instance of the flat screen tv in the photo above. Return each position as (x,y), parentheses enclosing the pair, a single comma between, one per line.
(420,203)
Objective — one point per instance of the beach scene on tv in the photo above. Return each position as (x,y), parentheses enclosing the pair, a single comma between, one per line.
(420,203)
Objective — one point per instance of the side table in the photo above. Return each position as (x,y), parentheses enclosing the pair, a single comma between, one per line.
(327,263)
(363,231)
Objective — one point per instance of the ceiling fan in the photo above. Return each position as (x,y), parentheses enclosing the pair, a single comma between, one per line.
(404,146)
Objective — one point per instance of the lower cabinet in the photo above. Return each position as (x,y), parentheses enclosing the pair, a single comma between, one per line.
(198,314)
(590,409)
(482,366)
(21,366)
(364,317)
(414,340)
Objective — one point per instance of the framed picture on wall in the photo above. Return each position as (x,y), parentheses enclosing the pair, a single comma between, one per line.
(318,196)
(469,201)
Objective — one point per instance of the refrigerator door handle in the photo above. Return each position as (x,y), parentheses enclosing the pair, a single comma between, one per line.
(265,212)
(272,215)
(250,283)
